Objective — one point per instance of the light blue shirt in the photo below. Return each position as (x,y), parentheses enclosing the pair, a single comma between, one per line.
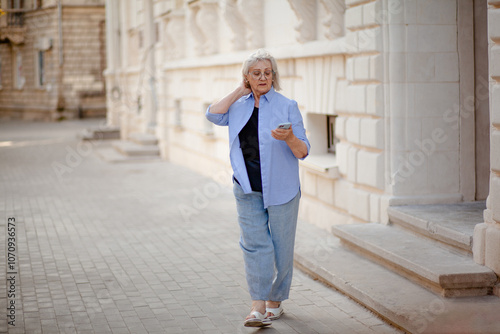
(279,167)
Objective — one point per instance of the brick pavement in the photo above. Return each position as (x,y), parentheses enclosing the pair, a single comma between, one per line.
(108,248)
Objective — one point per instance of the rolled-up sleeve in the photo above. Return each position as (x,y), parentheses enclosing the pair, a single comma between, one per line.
(298,126)
(217,119)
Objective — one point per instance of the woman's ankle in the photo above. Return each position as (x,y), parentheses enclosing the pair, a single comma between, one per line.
(272,304)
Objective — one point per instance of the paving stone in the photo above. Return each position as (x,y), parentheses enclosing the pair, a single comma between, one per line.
(104,247)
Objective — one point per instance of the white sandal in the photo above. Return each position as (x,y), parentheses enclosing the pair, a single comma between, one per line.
(260,320)
(276,312)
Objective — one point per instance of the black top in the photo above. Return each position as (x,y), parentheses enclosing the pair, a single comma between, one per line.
(249,144)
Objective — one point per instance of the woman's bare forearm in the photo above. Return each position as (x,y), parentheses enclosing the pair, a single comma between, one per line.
(298,147)
(222,106)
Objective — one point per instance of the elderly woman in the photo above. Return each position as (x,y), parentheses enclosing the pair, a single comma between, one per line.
(264,156)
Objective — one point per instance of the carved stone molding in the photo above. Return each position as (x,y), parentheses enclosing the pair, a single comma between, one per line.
(253,16)
(14,34)
(305,10)
(175,35)
(235,21)
(334,21)
(203,24)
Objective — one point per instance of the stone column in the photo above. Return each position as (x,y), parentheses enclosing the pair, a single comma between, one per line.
(150,77)
(112,61)
(487,235)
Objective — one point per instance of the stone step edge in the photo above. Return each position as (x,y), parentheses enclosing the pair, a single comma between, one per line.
(143,138)
(98,133)
(428,229)
(459,284)
(132,149)
(395,299)
(112,155)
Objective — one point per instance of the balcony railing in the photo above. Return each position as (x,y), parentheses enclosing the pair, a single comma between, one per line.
(12,25)
(13,17)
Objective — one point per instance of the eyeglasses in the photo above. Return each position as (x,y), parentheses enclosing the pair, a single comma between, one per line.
(258,74)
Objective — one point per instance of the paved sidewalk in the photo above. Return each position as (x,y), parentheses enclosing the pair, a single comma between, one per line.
(109,248)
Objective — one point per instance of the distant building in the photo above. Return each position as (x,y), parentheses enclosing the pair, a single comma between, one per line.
(52,58)
(401,99)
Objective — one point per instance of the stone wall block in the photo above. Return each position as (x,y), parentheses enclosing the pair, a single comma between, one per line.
(377,68)
(325,190)
(341,150)
(352,3)
(494,197)
(495,61)
(351,42)
(354,17)
(352,162)
(494,24)
(372,133)
(340,127)
(375,99)
(309,184)
(436,99)
(397,38)
(352,129)
(397,67)
(361,68)
(436,38)
(446,67)
(341,96)
(421,66)
(492,249)
(479,242)
(436,12)
(359,204)
(349,66)
(400,11)
(372,13)
(495,103)
(374,208)
(370,40)
(370,169)
(495,149)
(341,191)
(355,99)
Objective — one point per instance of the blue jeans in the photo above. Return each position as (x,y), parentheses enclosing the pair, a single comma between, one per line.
(267,239)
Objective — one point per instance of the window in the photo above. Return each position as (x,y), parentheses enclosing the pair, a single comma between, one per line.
(178,114)
(321,134)
(19,80)
(15,18)
(330,122)
(40,68)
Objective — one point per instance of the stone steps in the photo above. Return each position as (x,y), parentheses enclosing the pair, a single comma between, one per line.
(100,133)
(130,148)
(143,139)
(139,147)
(441,270)
(450,224)
(402,302)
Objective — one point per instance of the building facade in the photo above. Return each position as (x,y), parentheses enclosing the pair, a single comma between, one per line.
(52,58)
(400,98)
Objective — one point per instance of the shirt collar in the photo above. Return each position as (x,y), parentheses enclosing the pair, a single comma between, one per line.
(269,95)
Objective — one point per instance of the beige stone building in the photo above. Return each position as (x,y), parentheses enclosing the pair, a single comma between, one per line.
(52,58)
(401,101)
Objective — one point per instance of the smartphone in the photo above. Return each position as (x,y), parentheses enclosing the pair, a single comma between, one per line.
(284,126)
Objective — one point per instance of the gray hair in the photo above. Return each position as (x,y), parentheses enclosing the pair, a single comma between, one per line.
(257,56)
